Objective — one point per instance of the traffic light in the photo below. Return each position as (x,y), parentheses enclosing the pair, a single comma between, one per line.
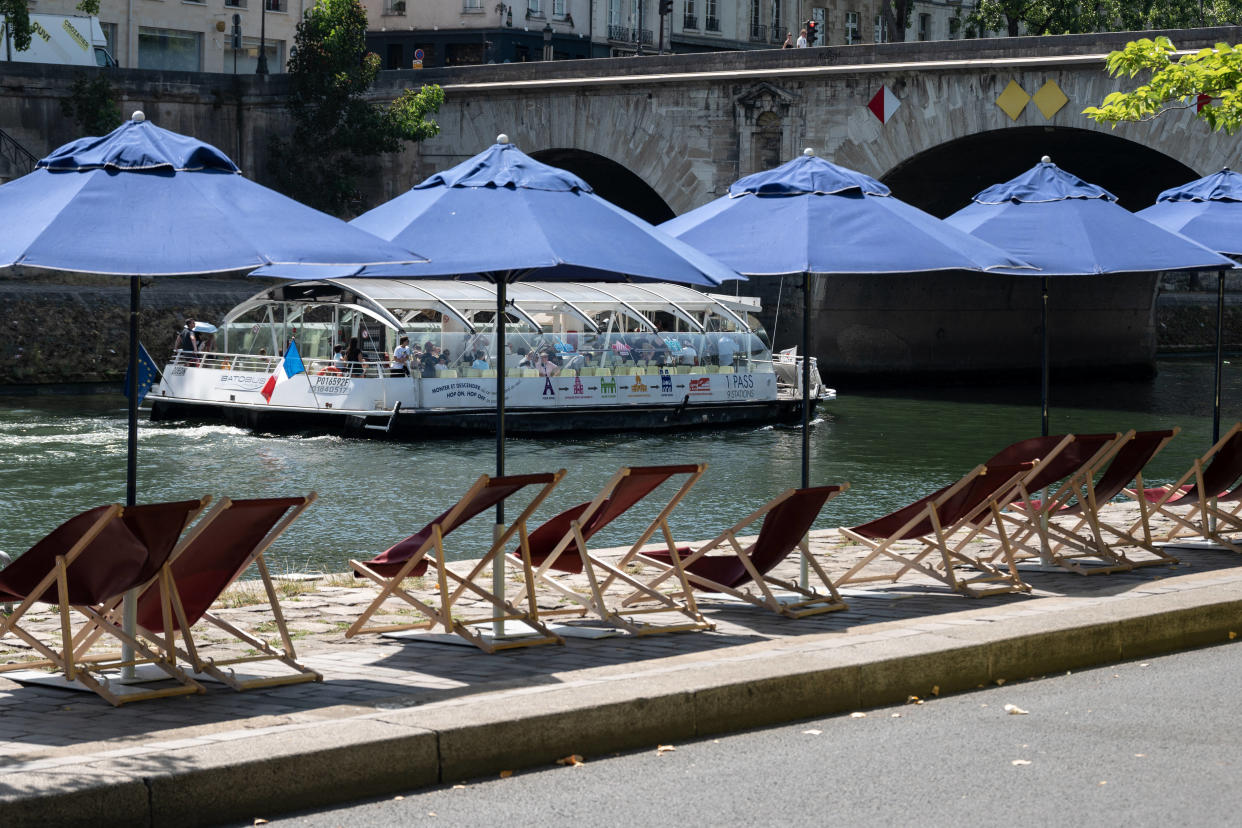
(812,32)
(666,7)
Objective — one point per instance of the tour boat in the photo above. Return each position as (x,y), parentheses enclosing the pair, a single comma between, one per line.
(578,356)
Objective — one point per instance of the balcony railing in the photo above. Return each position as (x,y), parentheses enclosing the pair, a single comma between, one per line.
(758,33)
(648,36)
(776,34)
(622,33)
(690,21)
(713,24)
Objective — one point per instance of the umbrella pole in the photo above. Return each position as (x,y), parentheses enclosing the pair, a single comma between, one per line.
(129,605)
(1220,356)
(498,564)
(1045,554)
(806,400)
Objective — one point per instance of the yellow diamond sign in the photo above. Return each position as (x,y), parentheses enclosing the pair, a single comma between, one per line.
(1013,100)
(1049,99)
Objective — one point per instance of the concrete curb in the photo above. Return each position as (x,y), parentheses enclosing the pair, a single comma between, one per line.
(399,750)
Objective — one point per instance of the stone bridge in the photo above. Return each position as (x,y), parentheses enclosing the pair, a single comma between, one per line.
(660,135)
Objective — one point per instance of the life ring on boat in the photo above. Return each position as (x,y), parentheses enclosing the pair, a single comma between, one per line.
(331,369)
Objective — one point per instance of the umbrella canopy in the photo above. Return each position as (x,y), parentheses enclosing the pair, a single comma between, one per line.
(503,213)
(1068,227)
(144,201)
(812,216)
(1209,211)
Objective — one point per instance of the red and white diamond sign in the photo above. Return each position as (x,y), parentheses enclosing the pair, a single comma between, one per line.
(883,104)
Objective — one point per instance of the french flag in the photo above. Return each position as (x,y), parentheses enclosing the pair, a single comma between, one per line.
(290,366)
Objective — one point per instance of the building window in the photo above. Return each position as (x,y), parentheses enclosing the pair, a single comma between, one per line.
(712,23)
(689,19)
(235,4)
(248,55)
(776,18)
(277,5)
(473,6)
(109,30)
(534,8)
(851,28)
(924,26)
(170,49)
(881,29)
(614,12)
(758,32)
(955,28)
(558,8)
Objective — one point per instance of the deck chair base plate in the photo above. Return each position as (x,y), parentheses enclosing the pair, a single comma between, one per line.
(512,631)
(565,630)
(1200,543)
(121,687)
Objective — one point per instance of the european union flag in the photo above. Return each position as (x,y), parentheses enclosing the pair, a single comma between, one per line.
(147,374)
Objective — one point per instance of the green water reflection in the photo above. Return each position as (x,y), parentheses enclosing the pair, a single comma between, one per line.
(64,454)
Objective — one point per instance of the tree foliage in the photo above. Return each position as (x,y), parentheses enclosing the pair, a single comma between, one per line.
(91,104)
(16,23)
(336,130)
(1209,80)
(897,14)
(1039,17)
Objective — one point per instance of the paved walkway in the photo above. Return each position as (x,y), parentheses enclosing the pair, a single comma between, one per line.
(394,715)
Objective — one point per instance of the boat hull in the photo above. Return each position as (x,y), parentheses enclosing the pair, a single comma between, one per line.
(425,424)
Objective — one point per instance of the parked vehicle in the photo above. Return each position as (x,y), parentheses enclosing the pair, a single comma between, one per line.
(68,40)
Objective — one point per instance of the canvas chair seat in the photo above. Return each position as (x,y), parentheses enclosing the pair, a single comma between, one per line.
(1193,501)
(560,545)
(944,523)
(786,521)
(90,561)
(423,552)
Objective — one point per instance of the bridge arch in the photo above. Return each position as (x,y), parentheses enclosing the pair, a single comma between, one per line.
(943,178)
(611,181)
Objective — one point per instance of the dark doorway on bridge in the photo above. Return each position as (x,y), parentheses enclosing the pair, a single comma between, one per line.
(942,180)
(611,181)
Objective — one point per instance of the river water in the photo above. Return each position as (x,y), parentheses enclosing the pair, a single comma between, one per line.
(63,454)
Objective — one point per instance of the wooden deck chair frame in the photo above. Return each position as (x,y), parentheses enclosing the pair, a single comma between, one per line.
(601,576)
(71,662)
(1040,498)
(940,539)
(1086,512)
(431,551)
(176,623)
(1212,521)
(811,602)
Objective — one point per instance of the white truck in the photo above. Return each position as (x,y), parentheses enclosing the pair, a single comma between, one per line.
(60,38)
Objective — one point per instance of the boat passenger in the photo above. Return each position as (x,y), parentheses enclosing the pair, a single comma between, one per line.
(725,348)
(353,355)
(401,356)
(546,367)
(186,343)
(441,365)
(338,357)
(480,361)
(687,355)
(431,356)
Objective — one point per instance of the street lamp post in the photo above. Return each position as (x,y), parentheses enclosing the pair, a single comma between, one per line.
(547,41)
(261,69)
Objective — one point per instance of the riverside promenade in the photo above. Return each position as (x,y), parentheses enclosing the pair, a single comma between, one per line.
(393,716)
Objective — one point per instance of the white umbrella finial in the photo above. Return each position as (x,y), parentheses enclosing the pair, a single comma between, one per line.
(138,116)
(808,152)
(1047,159)
(502,138)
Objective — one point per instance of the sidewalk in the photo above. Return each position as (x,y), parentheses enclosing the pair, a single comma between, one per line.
(392,716)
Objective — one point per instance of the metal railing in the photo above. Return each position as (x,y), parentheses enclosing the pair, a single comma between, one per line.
(690,21)
(776,34)
(758,33)
(21,160)
(713,24)
(623,33)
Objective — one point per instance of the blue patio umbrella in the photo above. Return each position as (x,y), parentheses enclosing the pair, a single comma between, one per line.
(810,216)
(145,201)
(1068,227)
(1209,211)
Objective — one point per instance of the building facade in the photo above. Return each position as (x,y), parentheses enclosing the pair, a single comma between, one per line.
(193,35)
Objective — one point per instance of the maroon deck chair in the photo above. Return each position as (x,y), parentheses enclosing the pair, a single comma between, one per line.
(1069,542)
(1061,466)
(85,564)
(967,506)
(215,553)
(1217,479)
(424,551)
(787,519)
(560,544)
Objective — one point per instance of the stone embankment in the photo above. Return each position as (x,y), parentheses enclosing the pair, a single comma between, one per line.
(71,331)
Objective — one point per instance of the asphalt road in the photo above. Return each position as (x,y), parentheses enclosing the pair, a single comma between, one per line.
(1153,743)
